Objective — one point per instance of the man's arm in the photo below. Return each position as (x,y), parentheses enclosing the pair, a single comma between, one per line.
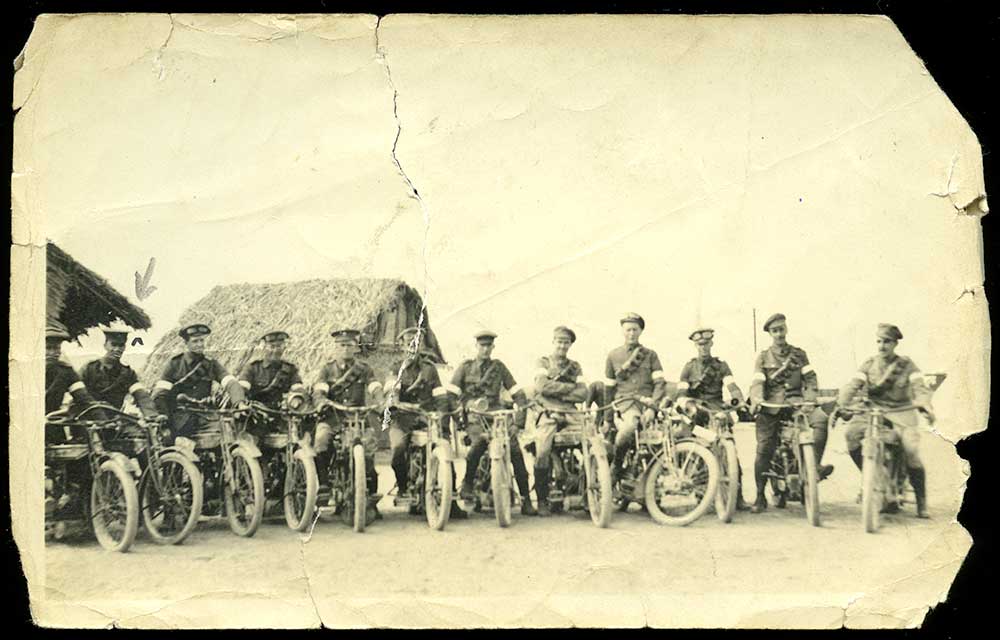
(810,382)
(228,382)
(320,388)
(853,386)
(757,381)
(729,382)
(918,388)
(684,383)
(296,380)
(659,381)
(373,387)
(554,388)
(163,391)
(141,396)
(511,385)
(245,377)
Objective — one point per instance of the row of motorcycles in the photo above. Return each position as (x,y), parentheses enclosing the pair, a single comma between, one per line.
(118,469)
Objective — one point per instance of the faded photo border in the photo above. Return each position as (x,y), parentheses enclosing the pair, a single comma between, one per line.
(958,67)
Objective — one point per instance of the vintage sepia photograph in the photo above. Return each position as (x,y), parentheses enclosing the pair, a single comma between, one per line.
(440,321)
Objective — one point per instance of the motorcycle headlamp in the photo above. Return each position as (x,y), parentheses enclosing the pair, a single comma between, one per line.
(296,401)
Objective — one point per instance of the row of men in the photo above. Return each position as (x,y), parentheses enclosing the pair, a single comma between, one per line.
(782,373)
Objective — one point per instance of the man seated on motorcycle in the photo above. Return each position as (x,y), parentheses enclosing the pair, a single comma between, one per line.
(703,378)
(416,382)
(485,377)
(631,370)
(891,381)
(191,374)
(60,378)
(782,373)
(111,381)
(558,385)
(350,382)
(268,379)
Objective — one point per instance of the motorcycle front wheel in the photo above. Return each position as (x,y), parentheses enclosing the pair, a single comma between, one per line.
(810,484)
(600,497)
(871,492)
(729,482)
(114,507)
(360,488)
(500,485)
(244,498)
(437,491)
(301,491)
(170,512)
(680,491)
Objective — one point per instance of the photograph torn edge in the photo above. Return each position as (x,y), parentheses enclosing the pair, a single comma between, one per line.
(963,199)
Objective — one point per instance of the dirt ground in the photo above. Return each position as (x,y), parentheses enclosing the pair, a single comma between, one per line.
(770,557)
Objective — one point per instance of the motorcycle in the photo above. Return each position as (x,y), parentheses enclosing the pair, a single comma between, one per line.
(348,492)
(171,488)
(229,463)
(793,474)
(884,476)
(722,444)
(430,466)
(667,470)
(289,461)
(581,473)
(493,484)
(76,464)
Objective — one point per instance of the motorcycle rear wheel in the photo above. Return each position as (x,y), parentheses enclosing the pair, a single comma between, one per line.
(183,483)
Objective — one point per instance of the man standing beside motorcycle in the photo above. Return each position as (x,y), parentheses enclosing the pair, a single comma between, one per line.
(110,381)
(485,377)
(350,382)
(891,381)
(60,378)
(558,385)
(631,370)
(191,374)
(268,379)
(782,373)
(703,378)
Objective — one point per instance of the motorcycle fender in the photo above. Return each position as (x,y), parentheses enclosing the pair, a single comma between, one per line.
(496,449)
(129,464)
(248,447)
(184,451)
(304,451)
(443,452)
(704,434)
(598,446)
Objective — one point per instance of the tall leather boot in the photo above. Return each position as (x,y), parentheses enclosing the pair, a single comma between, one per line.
(918,478)
(521,478)
(759,468)
(543,476)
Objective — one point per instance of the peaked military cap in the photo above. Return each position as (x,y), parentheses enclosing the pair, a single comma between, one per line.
(890,331)
(485,335)
(346,333)
(194,330)
(700,336)
(56,329)
(778,317)
(116,336)
(564,331)
(275,336)
(633,317)
(406,335)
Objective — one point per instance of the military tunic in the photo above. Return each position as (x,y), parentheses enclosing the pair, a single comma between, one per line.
(891,384)
(781,375)
(704,378)
(346,383)
(267,381)
(191,374)
(477,378)
(60,379)
(558,382)
(634,371)
(111,382)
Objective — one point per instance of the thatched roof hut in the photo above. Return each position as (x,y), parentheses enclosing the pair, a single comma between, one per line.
(80,299)
(309,310)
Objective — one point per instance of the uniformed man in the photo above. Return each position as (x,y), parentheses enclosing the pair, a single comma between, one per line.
(192,373)
(631,370)
(485,377)
(703,378)
(60,378)
(782,373)
(110,381)
(350,382)
(268,379)
(558,385)
(891,381)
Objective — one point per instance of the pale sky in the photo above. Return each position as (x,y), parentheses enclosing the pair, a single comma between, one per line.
(687,169)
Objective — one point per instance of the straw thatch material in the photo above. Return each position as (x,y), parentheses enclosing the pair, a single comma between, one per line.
(309,310)
(80,299)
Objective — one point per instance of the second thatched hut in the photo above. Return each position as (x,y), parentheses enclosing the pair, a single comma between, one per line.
(308,310)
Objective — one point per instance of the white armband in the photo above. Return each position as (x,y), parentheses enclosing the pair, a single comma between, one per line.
(807,369)
(136,387)
(322,387)
(610,382)
(163,385)
(227,380)
(758,376)
(298,386)
(657,375)
(439,391)
(916,375)
(374,386)
(451,388)
(683,386)
(76,386)
(245,384)
(728,380)
(541,372)
(860,376)
(515,389)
